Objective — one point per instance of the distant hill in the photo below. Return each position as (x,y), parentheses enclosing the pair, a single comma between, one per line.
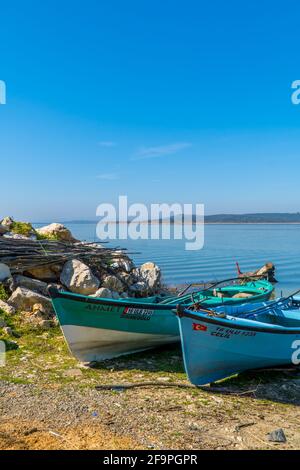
(256,218)
(264,218)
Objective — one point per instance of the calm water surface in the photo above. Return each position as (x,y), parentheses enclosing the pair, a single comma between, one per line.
(250,245)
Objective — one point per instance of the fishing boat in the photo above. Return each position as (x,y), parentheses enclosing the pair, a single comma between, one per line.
(225,341)
(97,329)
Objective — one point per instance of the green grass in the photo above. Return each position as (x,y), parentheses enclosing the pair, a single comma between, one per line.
(22,228)
(43,359)
(54,237)
(3,294)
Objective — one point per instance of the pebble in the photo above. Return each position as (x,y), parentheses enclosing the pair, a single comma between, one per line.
(72,373)
(277,436)
(8,331)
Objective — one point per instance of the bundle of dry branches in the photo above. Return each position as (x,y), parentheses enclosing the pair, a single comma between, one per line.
(21,255)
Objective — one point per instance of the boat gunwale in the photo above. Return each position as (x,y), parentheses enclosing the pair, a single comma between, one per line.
(226,323)
(54,294)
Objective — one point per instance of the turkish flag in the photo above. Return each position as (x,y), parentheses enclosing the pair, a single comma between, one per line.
(198,327)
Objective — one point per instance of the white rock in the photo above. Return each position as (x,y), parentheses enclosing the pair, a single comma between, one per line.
(7,222)
(23,299)
(113,283)
(57,231)
(31,284)
(7,308)
(125,264)
(79,278)
(151,274)
(4,272)
(102,293)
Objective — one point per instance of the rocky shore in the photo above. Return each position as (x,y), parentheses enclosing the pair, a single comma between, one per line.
(24,288)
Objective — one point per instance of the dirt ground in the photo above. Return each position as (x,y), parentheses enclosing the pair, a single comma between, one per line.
(49,401)
(74,415)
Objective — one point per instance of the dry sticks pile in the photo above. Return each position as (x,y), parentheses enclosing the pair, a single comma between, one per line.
(21,255)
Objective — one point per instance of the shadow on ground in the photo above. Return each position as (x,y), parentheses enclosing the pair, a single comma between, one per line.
(281,386)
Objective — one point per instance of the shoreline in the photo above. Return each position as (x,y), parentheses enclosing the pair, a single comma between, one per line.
(174,223)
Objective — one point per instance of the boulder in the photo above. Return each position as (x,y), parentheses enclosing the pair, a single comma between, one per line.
(24,299)
(139,288)
(7,222)
(113,283)
(123,264)
(49,273)
(128,279)
(79,278)
(3,229)
(4,272)
(102,293)
(57,231)
(31,284)
(151,274)
(7,308)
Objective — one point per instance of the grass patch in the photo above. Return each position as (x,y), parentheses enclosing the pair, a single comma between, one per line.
(53,237)
(22,228)
(3,294)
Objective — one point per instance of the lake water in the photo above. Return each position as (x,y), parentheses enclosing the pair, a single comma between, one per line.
(250,245)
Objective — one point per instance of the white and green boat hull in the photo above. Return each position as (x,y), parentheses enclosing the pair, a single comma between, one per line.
(97,329)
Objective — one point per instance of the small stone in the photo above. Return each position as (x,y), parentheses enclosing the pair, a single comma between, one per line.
(7,308)
(45,324)
(115,295)
(102,293)
(72,373)
(277,436)
(8,331)
(30,431)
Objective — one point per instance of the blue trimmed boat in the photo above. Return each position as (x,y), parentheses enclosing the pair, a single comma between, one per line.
(97,329)
(221,342)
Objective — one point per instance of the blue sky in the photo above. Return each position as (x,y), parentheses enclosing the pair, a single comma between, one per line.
(163,101)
